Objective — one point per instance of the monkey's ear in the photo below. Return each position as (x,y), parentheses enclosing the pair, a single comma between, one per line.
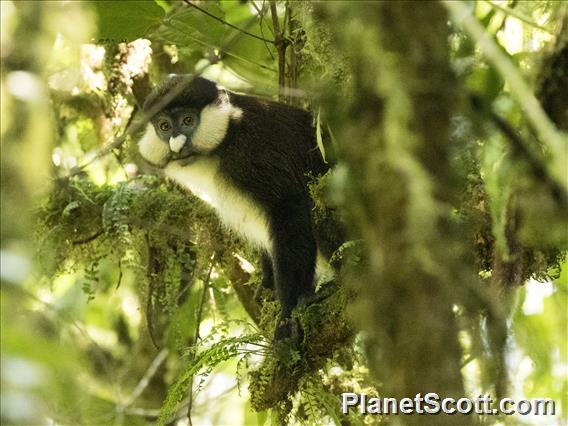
(222,96)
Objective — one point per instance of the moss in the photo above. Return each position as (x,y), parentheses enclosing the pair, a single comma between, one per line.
(325,332)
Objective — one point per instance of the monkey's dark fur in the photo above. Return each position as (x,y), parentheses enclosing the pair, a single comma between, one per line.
(265,154)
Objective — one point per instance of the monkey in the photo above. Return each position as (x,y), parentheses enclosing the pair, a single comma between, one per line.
(249,159)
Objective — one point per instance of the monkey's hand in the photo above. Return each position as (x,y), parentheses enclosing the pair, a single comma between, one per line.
(283,329)
(288,328)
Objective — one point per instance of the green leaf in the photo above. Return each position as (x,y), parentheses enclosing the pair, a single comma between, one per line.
(70,207)
(204,361)
(124,21)
(486,81)
(319,138)
(189,26)
(496,169)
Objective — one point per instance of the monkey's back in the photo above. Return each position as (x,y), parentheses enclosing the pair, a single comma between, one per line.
(271,161)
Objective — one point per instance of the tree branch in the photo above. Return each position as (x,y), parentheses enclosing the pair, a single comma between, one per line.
(281,44)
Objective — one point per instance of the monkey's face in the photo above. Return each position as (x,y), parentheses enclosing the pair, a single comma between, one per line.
(194,124)
(176,128)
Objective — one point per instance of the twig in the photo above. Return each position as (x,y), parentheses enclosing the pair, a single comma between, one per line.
(227,23)
(516,14)
(293,65)
(88,239)
(153,269)
(537,168)
(466,361)
(204,296)
(266,67)
(150,413)
(281,44)
(119,280)
(145,380)
(222,49)
(261,12)
(197,324)
(286,19)
(275,23)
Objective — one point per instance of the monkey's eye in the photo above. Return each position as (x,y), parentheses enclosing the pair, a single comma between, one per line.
(187,120)
(164,126)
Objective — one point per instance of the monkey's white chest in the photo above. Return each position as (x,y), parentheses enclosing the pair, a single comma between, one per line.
(235,208)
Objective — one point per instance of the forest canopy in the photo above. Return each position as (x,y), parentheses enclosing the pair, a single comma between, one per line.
(125,299)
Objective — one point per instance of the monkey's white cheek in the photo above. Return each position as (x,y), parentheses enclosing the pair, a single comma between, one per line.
(152,148)
(213,125)
(177,143)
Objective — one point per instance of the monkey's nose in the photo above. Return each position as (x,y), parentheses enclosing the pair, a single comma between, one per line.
(177,143)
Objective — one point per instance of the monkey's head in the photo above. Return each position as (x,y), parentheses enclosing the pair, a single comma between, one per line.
(189,116)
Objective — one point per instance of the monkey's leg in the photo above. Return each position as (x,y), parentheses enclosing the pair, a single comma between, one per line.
(267,276)
(267,271)
(294,255)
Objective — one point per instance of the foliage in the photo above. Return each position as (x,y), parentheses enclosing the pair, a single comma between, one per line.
(125,22)
(204,363)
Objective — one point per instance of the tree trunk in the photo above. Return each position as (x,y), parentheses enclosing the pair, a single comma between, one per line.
(394,140)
